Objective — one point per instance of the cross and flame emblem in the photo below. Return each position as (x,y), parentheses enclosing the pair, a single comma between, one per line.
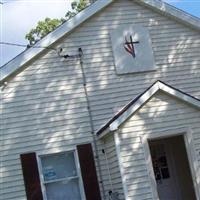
(129,46)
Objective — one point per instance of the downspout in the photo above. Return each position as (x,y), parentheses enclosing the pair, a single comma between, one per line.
(91,122)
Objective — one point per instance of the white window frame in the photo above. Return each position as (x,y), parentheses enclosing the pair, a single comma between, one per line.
(77,165)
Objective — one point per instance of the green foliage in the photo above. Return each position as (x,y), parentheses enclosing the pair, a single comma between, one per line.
(42,29)
(76,8)
(48,25)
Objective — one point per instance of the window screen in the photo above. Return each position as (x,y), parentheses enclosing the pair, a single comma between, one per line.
(60,177)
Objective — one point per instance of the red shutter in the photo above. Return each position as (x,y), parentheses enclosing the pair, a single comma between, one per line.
(31,176)
(88,172)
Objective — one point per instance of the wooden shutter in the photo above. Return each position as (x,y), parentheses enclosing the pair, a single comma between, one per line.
(31,176)
(88,172)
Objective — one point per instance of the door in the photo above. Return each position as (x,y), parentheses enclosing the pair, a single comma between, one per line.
(171,169)
(164,171)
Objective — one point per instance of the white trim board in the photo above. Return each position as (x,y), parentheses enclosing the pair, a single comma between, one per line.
(173,12)
(135,105)
(26,56)
(12,66)
(118,152)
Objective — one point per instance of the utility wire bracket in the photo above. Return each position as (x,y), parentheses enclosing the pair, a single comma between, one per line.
(67,56)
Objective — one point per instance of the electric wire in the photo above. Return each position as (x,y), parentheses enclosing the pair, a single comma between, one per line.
(27,46)
(58,50)
(80,56)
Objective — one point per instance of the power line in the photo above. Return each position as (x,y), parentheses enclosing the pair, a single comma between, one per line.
(26,46)
(58,51)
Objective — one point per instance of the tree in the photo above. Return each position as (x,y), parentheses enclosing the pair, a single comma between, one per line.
(48,25)
(42,29)
(76,8)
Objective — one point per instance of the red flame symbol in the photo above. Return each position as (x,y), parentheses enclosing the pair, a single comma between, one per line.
(129,46)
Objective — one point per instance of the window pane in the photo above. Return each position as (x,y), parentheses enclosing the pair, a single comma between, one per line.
(64,190)
(58,166)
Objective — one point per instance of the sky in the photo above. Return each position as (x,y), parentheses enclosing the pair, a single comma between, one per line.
(17,17)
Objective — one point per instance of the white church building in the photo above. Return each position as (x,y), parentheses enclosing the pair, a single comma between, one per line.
(115,115)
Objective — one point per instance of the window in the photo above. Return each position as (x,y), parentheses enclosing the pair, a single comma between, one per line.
(60,176)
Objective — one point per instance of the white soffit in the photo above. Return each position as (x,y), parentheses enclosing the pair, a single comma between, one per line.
(19,61)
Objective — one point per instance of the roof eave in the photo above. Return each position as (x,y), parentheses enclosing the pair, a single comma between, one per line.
(104,133)
(12,66)
(175,13)
(22,59)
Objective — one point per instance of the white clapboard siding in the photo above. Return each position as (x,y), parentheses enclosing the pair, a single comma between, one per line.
(162,112)
(44,107)
(115,181)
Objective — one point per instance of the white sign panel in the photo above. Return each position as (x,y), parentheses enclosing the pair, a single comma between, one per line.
(132,49)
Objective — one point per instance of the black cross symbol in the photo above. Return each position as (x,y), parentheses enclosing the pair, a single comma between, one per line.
(129,46)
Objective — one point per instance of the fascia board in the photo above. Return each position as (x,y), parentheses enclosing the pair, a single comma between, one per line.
(105,132)
(169,10)
(145,97)
(51,38)
(179,95)
(68,26)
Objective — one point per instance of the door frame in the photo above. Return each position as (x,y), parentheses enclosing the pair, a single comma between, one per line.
(191,155)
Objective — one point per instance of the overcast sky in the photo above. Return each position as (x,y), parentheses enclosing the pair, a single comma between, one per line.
(17,17)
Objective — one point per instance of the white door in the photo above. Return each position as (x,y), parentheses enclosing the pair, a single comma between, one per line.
(164,170)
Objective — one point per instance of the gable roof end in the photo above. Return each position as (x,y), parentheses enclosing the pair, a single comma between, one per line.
(139,101)
(26,56)
(51,38)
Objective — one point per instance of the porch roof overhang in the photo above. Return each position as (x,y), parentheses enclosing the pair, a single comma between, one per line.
(134,105)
